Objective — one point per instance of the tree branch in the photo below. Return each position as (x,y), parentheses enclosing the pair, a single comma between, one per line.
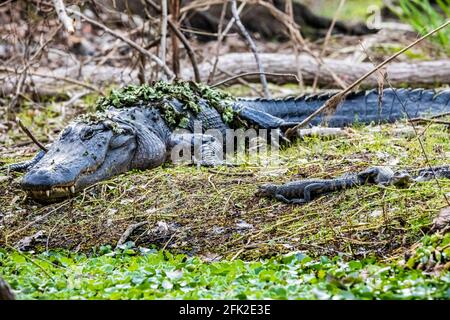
(62,15)
(163,44)
(30,135)
(252,46)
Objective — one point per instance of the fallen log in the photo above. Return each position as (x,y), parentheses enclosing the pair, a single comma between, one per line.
(46,82)
(413,74)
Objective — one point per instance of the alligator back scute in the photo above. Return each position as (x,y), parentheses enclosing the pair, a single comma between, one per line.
(442,97)
(357,107)
(388,107)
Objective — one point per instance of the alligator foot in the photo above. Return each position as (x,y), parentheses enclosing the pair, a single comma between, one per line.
(199,149)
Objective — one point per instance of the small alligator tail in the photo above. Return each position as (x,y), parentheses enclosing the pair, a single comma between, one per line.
(25,165)
(360,107)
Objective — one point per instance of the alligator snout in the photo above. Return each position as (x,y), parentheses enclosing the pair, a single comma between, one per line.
(44,183)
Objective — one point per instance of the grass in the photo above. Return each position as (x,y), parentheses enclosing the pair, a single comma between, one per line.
(215,212)
(353,10)
(423,17)
(138,273)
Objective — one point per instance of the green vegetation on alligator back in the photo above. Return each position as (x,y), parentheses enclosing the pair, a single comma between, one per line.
(137,273)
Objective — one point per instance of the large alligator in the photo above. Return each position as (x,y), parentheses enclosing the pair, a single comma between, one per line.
(136,128)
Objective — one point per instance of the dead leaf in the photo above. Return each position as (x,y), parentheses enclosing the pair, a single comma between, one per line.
(442,220)
(28,243)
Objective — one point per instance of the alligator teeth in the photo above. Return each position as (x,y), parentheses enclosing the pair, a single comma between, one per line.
(72,189)
(47,192)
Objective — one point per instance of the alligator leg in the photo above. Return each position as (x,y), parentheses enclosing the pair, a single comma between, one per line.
(370,175)
(284,199)
(298,201)
(314,189)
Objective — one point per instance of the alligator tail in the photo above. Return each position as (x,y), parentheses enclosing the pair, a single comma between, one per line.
(24,165)
(359,107)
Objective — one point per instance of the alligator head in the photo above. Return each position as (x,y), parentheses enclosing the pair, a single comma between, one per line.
(86,153)
(266,190)
(401,179)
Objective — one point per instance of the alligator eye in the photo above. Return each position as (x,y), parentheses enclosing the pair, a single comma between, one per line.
(128,131)
(87,134)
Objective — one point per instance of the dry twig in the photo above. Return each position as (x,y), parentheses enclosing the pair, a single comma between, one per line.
(219,42)
(175,13)
(30,135)
(130,42)
(183,40)
(255,73)
(252,46)
(129,231)
(62,15)
(290,12)
(163,44)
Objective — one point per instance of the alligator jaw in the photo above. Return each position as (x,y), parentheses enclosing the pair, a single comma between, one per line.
(53,193)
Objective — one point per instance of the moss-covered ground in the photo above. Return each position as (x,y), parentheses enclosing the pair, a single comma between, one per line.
(212,214)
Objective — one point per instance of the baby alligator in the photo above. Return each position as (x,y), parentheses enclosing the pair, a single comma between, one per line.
(303,191)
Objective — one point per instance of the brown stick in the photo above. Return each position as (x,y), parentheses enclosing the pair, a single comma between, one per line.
(189,50)
(219,43)
(199,4)
(30,135)
(133,44)
(175,13)
(163,43)
(336,99)
(255,73)
(129,231)
(289,8)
